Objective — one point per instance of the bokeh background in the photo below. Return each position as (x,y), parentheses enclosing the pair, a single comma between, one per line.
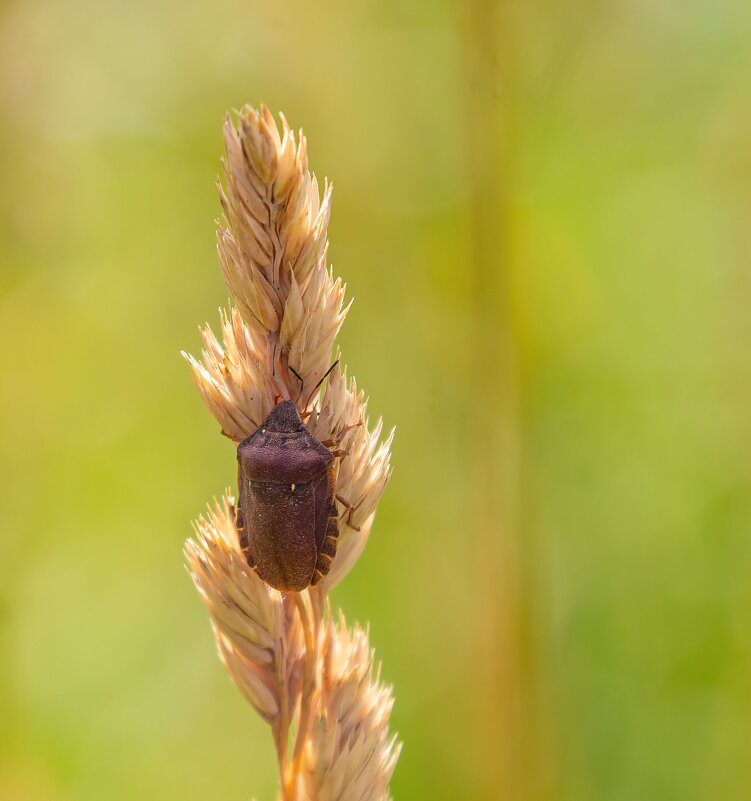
(542,210)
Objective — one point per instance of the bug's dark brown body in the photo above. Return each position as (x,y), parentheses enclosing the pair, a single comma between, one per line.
(286,519)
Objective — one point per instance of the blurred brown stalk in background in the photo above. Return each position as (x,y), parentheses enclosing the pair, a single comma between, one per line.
(517,762)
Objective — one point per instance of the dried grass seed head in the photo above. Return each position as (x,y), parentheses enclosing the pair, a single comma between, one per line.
(350,755)
(247,616)
(289,309)
(275,342)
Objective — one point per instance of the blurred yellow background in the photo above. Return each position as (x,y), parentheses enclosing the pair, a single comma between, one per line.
(542,210)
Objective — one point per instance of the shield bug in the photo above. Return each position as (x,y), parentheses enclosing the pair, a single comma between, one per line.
(286,520)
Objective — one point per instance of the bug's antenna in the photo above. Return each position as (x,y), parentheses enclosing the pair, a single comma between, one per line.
(281,385)
(315,388)
(299,378)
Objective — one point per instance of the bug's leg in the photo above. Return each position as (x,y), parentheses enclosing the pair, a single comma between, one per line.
(340,453)
(337,439)
(242,536)
(238,520)
(245,548)
(349,510)
(242,531)
(333,446)
(328,549)
(344,431)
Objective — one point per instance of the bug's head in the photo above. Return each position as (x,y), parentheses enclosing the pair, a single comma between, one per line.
(283,418)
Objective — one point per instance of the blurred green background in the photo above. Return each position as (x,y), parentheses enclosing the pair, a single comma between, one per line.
(542,210)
